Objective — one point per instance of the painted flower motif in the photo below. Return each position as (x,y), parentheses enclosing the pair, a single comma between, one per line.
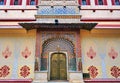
(113,54)
(93,71)
(6,53)
(115,71)
(24,71)
(4,71)
(91,54)
(26,53)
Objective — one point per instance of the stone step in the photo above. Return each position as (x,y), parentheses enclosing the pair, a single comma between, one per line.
(50,82)
(57,81)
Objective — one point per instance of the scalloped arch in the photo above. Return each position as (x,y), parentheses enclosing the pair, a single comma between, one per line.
(52,43)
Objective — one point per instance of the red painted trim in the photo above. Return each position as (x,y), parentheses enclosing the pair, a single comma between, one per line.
(18,9)
(113,2)
(108,26)
(88,2)
(96,2)
(38,44)
(16,80)
(36,2)
(102,80)
(5,2)
(111,10)
(20,2)
(100,19)
(17,20)
(105,2)
(28,2)
(11,2)
(102,25)
(80,2)
(98,9)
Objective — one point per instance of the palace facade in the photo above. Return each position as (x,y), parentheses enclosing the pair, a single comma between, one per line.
(74,41)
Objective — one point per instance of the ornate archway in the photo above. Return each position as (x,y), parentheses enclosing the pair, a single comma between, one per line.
(55,45)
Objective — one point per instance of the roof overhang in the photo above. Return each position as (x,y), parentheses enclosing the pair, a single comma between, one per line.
(37,25)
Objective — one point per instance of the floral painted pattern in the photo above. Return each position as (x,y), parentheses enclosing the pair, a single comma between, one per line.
(93,71)
(113,54)
(26,53)
(115,71)
(6,53)
(4,71)
(24,71)
(91,54)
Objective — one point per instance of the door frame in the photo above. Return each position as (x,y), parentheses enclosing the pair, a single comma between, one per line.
(49,65)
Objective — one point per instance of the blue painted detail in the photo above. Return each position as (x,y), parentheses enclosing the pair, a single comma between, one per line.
(15,65)
(59,10)
(72,64)
(83,59)
(2,2)
(56,10)
(46,10)
(103,64)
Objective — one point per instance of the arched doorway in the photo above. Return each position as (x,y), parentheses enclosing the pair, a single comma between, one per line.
(54,45)
(58,66)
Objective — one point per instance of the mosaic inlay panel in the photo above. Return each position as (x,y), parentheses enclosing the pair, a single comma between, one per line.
(57,10)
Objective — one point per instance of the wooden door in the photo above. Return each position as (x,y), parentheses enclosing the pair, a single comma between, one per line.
(58,67)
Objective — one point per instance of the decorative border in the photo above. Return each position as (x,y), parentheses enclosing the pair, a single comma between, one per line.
(58,16)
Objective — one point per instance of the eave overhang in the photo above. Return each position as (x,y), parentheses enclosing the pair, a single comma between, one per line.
(37,25)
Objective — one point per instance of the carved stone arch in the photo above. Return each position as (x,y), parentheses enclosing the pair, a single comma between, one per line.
(55,45)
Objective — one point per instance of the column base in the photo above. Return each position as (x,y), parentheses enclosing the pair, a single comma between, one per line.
(40,77)
(76,77)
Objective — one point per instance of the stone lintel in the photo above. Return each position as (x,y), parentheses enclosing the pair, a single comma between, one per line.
(58,16)
(57,25)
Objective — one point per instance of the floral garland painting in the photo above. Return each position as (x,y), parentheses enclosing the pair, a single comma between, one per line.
(91,53)
(93,71)
(4,71)
(113,53)
(24,71)
(6,53)
(115,71)
(26,53)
